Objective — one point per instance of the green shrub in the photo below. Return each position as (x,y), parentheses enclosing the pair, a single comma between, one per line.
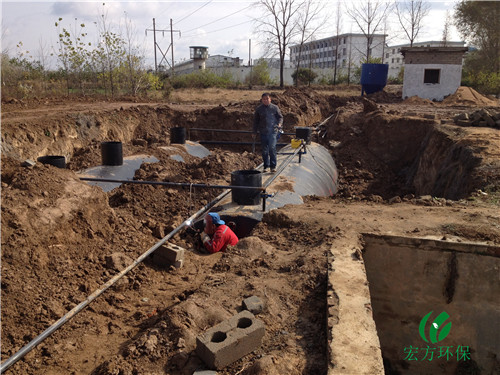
(398,80)
(304,76)
(201,79)
(484,82)
(342,78)
(260,74)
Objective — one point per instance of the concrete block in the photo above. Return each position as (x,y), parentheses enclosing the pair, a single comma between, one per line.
(230,340)
(253,304)
(168,255)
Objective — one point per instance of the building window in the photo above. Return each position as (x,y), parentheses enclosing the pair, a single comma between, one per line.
(387,55)
(393,51)
(393,60)
(397,60)
(344,51)
(431,75)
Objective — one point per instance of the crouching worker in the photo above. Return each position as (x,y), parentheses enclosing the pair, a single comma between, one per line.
(217,235)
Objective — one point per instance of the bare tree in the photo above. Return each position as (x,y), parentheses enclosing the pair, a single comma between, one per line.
(446,29)
(338,30)
(134,58)
(309,20)
(369,16)
(410,15)
(43,54)
(278,26)
(110,51)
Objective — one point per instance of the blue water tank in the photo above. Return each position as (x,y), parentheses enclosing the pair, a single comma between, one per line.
(373,77)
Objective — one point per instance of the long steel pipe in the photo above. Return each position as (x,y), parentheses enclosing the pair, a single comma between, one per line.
(37,340)
(180,184)
(235,143)
(227,131)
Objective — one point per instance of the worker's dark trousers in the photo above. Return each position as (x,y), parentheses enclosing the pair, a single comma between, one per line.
(268,145)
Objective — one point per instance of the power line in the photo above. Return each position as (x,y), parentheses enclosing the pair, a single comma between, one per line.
(190,14)
(224,28)
(159,14)
(220,19)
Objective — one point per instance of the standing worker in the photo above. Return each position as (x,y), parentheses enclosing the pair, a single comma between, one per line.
(221,234)
(268,121)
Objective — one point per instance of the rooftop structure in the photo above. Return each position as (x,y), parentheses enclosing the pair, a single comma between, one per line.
(432,72)
(394,58)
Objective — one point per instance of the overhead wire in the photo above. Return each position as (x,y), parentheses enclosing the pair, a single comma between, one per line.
(224,28)
(219,19)
(159,14)
(193,12)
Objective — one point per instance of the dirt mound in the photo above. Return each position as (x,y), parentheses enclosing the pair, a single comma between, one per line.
(385,97)
(301,106)
(468,96)
(415,100)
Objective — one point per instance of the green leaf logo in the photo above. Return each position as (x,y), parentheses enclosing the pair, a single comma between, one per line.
(436,325)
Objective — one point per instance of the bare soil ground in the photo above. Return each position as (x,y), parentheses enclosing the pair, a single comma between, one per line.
(404,167)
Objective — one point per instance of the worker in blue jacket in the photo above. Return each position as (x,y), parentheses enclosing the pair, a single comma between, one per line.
(268,121)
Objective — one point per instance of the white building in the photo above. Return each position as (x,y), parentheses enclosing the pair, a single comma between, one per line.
(394,58)
(345,50)
(200,60)
(218,61)
(432,72)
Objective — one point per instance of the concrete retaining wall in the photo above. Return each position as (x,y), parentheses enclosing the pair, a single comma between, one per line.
(411,277)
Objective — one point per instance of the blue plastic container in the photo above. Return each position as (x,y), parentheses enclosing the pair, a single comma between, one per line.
(373,77)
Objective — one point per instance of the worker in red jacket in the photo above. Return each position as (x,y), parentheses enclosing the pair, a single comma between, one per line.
(221,234)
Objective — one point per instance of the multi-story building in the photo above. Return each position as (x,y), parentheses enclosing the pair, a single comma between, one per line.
(394,58)
(344,50)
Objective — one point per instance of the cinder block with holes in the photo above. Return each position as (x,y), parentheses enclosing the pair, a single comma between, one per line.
(230,340)
(168,255)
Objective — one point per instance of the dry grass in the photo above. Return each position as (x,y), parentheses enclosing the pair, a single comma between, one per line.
(214,95)
(217,95)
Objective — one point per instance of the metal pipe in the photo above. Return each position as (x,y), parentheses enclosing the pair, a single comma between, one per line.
(234,143)
(37,340)
(229,131)
(180,184)
(324,121)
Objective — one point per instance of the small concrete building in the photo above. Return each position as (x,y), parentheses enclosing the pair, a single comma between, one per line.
(432,72)
(394,58)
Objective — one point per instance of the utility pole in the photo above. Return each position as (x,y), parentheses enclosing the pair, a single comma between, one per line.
(172,44)
(250,59)
(154,38)
(154,30)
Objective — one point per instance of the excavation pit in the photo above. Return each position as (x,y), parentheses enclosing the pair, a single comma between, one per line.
(457,282)
(56,231)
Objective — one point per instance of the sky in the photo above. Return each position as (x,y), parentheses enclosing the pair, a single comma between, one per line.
(225,27)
